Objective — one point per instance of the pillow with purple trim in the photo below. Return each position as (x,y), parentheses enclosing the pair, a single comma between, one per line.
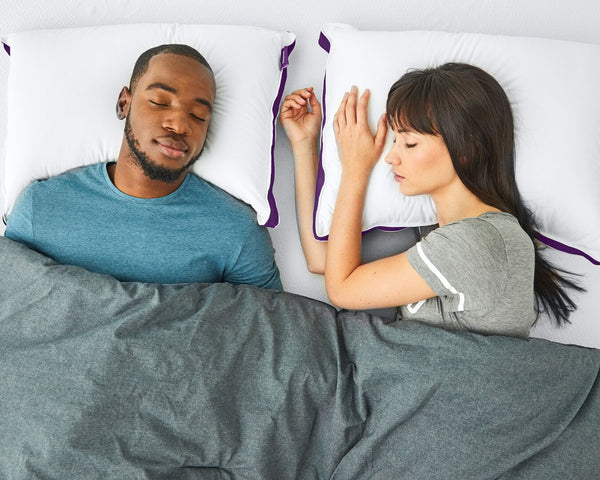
(553,89)
(63,86)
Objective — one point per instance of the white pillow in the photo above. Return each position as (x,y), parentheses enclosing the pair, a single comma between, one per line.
(63,87)
(554,88)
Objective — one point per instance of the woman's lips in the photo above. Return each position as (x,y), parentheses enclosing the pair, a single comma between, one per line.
(398,178)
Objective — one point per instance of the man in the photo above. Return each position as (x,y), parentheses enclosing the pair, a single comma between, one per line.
(145,217)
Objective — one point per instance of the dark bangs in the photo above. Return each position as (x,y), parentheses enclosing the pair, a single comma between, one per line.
(409,104)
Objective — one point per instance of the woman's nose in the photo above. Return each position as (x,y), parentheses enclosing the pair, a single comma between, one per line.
(392,157)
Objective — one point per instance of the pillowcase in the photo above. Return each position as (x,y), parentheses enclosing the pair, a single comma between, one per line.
(63,87)
(553,88)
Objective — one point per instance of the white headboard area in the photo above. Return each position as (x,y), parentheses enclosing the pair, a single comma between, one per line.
(575,20)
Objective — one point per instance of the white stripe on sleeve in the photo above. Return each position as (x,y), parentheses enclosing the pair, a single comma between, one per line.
(441,278)
(414,307)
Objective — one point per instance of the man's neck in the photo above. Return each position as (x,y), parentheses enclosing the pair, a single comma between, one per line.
(134,182)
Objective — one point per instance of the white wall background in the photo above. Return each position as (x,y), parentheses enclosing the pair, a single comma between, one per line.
(577,20)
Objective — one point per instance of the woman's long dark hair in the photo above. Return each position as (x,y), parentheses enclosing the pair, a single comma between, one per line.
(469,109)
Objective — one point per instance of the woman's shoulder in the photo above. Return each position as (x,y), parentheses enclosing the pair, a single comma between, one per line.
(500,225)
(506,226)
(497,233)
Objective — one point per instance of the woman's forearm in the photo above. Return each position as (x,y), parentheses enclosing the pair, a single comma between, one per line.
(359,149)
(305,178)
(345,237)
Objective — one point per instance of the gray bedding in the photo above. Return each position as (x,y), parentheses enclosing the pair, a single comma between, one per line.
(102,379)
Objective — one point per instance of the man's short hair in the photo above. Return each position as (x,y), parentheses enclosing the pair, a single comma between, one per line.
(141,64)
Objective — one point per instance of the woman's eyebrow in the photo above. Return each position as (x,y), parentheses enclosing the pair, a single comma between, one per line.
(168,88)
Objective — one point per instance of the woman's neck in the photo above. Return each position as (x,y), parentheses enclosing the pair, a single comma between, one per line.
(459,203)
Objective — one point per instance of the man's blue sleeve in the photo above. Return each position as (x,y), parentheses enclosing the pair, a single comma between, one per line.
(255,264)
(19,224)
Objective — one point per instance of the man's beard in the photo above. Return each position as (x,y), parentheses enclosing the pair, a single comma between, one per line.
(150,168)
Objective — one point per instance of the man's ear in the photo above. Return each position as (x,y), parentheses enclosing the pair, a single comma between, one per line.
(123,103)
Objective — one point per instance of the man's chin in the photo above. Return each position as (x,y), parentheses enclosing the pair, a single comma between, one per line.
(163,174)
(155,171)
(152,169)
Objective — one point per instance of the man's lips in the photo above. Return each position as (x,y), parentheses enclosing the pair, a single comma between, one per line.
(171,148)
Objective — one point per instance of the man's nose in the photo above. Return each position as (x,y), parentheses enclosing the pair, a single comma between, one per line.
(177,122)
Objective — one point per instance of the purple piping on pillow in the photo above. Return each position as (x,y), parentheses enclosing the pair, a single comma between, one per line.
(325,44)
(565,248)
(320,171)
(6,48)
(273,219)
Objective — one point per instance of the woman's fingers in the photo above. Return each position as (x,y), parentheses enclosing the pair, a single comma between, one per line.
(362,108)
(350,109)
(294,101)
(359,148)
(353,110)
(299,98)
(296,104)
(339,119)
(301,116)
(381,134)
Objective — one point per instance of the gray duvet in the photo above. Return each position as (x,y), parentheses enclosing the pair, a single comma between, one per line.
(102,379)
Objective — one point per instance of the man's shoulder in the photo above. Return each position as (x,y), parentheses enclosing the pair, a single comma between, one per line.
(94,170)
(75,179)
(222,201)
(72,176)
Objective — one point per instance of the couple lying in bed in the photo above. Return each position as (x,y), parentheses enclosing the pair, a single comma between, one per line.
(146,218)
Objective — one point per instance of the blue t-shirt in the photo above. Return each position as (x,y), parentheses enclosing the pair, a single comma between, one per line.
(199,233)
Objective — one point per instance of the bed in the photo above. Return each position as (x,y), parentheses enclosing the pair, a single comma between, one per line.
(104,379)
(110,380)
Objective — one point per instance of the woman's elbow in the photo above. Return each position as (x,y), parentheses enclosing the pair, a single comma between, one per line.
(337,295)
(315,267)
(314,262)
(314,254)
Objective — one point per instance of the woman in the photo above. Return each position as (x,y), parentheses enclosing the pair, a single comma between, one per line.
(481,269)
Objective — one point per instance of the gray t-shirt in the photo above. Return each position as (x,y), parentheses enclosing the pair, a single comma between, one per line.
(482,270)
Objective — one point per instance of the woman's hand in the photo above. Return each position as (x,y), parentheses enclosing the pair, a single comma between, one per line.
(358,148)
(301,117)
(301,120)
